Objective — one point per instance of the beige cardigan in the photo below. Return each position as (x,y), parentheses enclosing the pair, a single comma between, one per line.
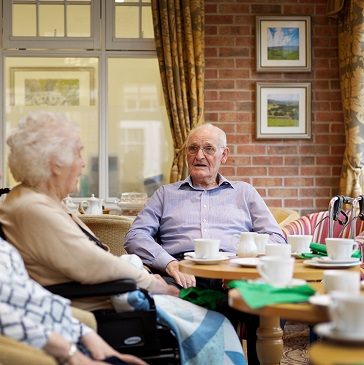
(54,248)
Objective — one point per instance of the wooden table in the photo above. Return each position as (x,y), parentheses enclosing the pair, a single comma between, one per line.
(270,341)
(330,353)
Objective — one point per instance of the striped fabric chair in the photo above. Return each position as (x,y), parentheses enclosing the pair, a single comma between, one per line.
(317,224)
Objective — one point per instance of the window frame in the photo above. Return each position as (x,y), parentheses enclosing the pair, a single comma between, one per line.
(22,42)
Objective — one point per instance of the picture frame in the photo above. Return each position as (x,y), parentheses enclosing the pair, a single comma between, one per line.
(283,110)
(283,44)
(52,86)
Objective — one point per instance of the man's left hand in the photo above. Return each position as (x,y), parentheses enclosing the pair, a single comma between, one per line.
(185,280)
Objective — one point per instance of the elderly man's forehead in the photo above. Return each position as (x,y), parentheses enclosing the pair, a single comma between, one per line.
(206,135)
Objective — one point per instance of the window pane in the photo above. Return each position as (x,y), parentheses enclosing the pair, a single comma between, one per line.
(60,84)
(24,20)
(78,21)
(51,21)
(127,22)
(139,138)
(147,22)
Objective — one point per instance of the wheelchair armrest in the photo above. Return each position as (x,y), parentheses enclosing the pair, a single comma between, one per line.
(73,289)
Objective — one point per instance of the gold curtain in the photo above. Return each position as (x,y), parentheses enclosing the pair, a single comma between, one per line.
(351,56)
(179,30)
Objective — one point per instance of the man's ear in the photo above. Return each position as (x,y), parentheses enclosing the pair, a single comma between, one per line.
(225,155)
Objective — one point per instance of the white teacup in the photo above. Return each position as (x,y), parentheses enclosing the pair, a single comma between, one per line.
(206,248)
(276,270)
(340,280)
(300,243)
(278,249)
(347,313)
(261,240)
(340,248)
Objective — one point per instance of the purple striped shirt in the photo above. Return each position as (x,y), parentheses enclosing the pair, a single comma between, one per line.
(177,213)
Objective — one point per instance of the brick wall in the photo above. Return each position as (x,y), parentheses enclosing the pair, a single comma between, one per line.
(301,174)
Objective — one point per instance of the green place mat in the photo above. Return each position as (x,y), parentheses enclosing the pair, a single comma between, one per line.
(258,295)
(318,249)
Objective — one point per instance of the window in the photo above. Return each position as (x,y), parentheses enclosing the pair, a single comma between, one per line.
(115,96)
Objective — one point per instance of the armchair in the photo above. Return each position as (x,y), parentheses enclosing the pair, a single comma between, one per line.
(16,353)
(109,229)
(283,216)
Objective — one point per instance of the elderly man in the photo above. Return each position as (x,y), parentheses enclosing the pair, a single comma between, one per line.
(205,205)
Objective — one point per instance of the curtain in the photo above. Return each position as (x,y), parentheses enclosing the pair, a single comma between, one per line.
(179,30)
(351,56)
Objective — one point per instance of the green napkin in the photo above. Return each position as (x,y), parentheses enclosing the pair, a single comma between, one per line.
(318,249)
(206,298)
(258,295)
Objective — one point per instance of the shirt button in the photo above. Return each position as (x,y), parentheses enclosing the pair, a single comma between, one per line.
(205,230)
(204,220)
(204,206)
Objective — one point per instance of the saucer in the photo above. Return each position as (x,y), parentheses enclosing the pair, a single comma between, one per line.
(323,300)
(293,282)
(328,330)
(298,255)
(192,255)
(326,265)
(246,261)
(327,260)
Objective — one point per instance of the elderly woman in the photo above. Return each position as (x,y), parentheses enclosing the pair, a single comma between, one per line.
(45,157)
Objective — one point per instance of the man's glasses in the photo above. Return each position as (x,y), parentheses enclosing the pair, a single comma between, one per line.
(208,150)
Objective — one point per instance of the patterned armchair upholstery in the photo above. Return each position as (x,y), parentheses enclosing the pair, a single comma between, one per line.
(317,224)
(17,353)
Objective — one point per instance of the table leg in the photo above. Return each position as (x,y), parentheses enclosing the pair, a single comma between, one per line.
(270,341)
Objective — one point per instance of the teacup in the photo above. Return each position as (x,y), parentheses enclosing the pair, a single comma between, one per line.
(300,243)
(276,270)
(347,313)
(340,248)
(278,249)
(206,248)
(261,240)
(339,280)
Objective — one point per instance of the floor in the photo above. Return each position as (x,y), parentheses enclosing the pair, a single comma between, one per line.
(296,340)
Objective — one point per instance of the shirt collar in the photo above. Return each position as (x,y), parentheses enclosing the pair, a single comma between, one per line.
(222,181)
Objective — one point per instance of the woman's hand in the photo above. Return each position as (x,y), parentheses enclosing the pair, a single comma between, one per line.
(101,350)
(162,287)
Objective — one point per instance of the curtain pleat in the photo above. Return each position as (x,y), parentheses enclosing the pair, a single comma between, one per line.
(351,56)
(179,31)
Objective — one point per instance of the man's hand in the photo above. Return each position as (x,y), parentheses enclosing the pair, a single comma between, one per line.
(185,280)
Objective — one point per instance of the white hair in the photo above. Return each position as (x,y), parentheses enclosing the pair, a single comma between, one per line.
(40,138)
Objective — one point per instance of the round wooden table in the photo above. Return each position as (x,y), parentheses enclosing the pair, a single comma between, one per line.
(333,353)
(270,341)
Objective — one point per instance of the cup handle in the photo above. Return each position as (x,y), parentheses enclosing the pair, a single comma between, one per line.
(355,246)
(235,241)
(262,270)
(81,206)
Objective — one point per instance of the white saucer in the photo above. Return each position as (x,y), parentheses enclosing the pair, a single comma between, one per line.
(207,261)
(327,260)
(323,300)
(192,255)
(294,282)
(326,265)
(246,261)
(328,330)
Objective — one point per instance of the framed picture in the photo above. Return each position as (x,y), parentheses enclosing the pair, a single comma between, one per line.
(52,86)
(283,110)
(283,44)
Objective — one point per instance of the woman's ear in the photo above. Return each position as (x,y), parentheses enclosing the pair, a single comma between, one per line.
(55,167)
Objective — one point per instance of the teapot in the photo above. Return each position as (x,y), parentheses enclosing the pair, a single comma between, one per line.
(71,205)
(244,244)
(93,205)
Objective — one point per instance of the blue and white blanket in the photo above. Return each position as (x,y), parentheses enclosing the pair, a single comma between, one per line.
(205,337)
